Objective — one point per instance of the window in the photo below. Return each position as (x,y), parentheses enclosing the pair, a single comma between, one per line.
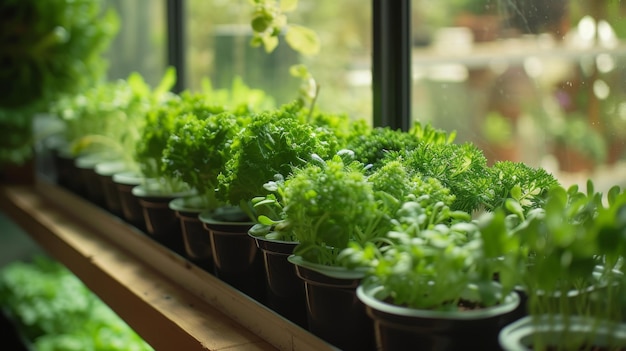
(537,81)
(140,45)
(218,48)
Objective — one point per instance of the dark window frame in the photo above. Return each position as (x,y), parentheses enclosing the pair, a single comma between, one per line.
(391,58)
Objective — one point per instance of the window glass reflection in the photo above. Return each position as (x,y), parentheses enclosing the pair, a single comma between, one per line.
(538,81)
(218,48)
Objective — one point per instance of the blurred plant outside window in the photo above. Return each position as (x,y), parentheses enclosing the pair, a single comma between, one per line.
(538,81)
(218,49)
(141,43)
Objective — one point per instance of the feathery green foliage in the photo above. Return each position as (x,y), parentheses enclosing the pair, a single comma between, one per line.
(516,180)
(462,168)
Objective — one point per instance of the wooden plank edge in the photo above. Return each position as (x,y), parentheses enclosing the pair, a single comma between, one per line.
(257,318)
(149,315)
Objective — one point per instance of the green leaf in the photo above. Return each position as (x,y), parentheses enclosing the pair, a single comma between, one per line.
(299,71)
(516,192)
(514,207)
(288,5)
(260,23)
(266,220)
(269,43)
(167,82)
(303,40)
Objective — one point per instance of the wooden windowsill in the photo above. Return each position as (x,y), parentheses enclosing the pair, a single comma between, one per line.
(171,303)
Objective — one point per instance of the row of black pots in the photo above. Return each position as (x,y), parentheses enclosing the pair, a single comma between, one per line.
(217,241)
(324,305)
(330,304)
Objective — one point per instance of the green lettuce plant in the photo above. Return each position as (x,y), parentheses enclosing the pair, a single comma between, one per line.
(110,116)
(197,150)
(160,124)
(273,142)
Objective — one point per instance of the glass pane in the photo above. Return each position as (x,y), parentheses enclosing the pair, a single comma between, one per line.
(218,49)
(538,81)
(141,43)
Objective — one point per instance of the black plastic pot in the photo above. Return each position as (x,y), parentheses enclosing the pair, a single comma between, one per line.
(285,293)
(237,259)
(429,330)
(66,173)
(161,222)
(86,166)
(131,208)
(196,239)
(334,313)
(105,171)
(577,333)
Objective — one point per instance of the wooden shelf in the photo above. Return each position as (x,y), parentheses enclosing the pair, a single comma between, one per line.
(171,303)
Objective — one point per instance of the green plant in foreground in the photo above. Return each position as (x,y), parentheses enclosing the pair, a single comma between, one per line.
(568,257)
(433,261)
(56,311)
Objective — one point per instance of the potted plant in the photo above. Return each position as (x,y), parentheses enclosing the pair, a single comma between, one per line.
(273,235)
(326,204)
(275,240)
(108,120)
(273,142)
(160,187)
(438,187)
(197,150)
(432,284)
(195,154)
(572,247)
